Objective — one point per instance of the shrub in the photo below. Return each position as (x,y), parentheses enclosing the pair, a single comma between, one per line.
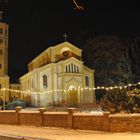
(12,105)
(117,101)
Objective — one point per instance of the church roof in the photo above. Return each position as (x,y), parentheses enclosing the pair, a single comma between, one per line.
(66,43)
(49,55)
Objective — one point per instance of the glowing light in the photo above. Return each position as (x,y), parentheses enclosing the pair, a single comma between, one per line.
(72,87)
(110,87)
(120,87)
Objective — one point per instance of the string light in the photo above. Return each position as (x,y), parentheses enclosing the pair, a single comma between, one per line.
(71,89)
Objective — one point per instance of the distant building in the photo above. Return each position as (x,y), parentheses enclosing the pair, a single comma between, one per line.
(14,93)
(4,78)
(60,77)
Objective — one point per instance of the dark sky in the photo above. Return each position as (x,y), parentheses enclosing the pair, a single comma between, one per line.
(35,25)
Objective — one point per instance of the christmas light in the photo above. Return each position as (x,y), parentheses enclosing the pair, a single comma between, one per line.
(70,89)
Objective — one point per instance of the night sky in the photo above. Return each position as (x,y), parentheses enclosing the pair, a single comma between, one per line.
(35,25)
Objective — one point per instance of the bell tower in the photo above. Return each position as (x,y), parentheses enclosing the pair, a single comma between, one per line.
(3,48)
(4,78)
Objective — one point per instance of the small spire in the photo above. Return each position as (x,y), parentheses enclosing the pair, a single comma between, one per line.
(65,36)
(1,16)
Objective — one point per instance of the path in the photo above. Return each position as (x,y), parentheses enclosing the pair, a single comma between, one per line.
(64,134)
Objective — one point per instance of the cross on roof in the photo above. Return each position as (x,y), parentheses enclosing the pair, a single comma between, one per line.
(65,36)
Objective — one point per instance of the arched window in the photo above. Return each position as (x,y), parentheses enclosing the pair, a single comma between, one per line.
(86,81)
(1,51)
(72,68)
(77,69)
(32,83)
(28,83)
(69,69)
(45,81)
(1,31)
(66,69)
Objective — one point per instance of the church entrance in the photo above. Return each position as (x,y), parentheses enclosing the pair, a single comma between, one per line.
(73,97)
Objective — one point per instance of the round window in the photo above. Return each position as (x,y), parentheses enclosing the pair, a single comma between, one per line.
(65,53)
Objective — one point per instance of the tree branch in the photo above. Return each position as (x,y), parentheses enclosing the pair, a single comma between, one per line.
(77,6)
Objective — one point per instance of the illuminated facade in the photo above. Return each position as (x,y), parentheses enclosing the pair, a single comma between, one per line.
(13,94)
(57,69)
(4,78)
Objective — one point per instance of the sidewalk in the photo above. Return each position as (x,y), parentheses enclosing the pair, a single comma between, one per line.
(63,134)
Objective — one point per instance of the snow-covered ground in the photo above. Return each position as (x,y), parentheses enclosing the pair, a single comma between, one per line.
(94,110)
(64,134)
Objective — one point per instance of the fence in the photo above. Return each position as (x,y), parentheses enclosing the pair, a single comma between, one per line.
(71,119)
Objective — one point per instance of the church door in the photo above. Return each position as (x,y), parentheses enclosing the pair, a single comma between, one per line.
(73,99)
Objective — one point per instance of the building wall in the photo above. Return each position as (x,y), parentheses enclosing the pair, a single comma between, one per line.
(4,83)
(91,122)
(84,121)
(13,94)
(30,118)
(53,119)
(89,95)
(125,123)
(5,115)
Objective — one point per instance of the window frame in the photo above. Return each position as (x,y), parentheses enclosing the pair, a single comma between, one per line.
(45,81)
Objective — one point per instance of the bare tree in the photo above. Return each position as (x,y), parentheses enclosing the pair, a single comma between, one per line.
(77,6)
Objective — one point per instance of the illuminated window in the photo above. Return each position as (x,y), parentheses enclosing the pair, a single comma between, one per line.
(45,81)
(86,81)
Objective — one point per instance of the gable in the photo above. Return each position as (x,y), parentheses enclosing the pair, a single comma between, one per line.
(59,51)
(55,54)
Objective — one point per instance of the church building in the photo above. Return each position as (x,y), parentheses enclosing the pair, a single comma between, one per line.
(58,77)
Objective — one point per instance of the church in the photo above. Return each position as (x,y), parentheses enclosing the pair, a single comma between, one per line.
(58,77)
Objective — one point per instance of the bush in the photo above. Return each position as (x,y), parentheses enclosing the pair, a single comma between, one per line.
(117,101)
(12,105)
